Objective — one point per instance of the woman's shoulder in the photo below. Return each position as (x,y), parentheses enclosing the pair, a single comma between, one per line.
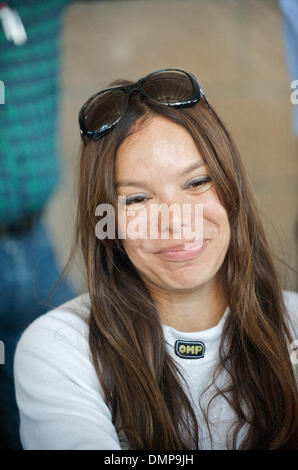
(72,315)
(63,331)
(75,311)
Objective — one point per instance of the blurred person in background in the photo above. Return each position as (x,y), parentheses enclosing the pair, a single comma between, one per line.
(29,174)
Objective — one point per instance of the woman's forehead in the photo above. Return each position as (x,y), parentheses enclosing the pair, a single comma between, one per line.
(160,144)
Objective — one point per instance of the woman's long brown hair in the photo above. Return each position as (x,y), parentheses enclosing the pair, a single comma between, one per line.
(141,383)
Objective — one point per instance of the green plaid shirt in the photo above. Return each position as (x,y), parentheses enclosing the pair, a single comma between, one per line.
(29,152)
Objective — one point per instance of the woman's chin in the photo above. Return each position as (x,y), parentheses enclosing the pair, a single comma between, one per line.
(186,281)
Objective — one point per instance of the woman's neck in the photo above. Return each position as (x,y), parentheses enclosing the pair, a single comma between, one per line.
(191,311)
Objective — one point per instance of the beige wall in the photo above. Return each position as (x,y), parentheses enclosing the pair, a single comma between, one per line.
(235,47)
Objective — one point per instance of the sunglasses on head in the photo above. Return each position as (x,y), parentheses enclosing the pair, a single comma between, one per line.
(170,87)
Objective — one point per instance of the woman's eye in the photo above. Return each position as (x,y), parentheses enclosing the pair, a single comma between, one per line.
(134,200)
(199,183)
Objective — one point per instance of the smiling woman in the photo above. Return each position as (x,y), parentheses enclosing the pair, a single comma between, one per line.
(168,169)
(177,344)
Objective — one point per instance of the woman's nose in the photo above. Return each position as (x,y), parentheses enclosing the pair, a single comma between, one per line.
(180,220)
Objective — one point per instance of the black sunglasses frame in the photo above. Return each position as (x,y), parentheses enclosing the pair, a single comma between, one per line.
(137,86)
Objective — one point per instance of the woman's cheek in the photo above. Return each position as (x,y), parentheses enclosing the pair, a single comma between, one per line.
(133,224)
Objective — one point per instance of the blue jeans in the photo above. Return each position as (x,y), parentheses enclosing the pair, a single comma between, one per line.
(28,271)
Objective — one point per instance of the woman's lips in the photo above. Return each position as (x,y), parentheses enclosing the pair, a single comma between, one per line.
(185,251)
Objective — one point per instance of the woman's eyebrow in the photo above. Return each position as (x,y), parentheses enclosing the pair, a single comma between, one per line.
(190,168)
(131,183)
(193,166)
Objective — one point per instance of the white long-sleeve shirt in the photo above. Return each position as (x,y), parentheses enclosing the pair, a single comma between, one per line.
(61,402)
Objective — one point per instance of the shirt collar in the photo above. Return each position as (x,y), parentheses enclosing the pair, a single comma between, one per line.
(209,338)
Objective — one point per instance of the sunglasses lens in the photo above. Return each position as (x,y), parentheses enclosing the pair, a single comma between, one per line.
(104,110)
(169,87)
